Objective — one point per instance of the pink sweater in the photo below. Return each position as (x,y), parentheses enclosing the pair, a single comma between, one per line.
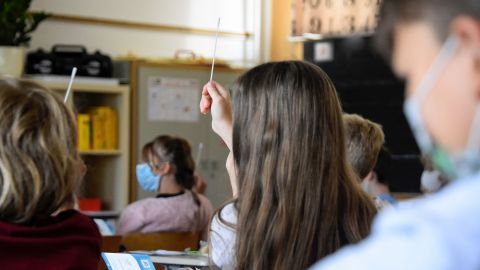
(179,213)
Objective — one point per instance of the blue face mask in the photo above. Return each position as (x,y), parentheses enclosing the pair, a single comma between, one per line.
(460,164)
(147,179)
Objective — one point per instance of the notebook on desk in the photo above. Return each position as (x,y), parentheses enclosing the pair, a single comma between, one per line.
(178,258)
(122,261)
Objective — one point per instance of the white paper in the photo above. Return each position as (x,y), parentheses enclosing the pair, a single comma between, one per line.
(173,99)
(323,52)
(119,261)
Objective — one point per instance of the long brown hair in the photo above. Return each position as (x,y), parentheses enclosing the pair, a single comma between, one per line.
(298,197)
(40,168)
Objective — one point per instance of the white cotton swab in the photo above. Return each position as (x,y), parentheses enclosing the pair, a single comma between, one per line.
(69,89)
(199,154)
(215,50)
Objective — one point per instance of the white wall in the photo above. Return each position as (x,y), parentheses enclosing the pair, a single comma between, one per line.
(236,15)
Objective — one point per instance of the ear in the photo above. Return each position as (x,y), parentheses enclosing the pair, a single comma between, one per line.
(467,31)
(166,168)
(371,176)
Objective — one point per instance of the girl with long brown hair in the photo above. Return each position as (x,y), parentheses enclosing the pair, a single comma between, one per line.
(296,199)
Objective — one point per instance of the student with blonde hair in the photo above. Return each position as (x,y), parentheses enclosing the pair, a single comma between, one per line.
(296,199)
(365,141)
(40,171)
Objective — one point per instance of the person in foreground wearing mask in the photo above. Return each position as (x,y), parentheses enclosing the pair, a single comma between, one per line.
(169,170)
(364,140)
(436,48)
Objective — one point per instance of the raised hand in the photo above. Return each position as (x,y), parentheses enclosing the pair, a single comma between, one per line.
(216,100)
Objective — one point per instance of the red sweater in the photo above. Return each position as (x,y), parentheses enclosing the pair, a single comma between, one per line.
(68,241)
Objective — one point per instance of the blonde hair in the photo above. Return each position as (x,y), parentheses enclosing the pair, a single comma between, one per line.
(363,139)
(39,163)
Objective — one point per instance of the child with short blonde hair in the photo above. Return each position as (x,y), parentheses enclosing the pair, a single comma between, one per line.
(40,170)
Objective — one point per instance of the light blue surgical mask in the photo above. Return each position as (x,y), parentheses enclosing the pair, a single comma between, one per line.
(455,165)
(148,180)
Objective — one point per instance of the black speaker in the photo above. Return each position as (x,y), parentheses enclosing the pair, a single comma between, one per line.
(63,58)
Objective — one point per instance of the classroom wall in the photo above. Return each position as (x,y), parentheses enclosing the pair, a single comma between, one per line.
(281,47)
(237,16)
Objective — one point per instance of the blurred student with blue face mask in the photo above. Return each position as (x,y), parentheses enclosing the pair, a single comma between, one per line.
(435,46)
(168,169)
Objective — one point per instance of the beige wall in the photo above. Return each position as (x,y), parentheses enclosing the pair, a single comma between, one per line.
(281,48)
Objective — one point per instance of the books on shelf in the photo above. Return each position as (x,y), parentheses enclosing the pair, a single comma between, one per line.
(84,132)
(98,129)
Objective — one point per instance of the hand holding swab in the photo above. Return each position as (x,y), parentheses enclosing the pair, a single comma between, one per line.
(69,89)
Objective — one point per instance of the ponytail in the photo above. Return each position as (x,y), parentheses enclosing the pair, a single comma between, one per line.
(177,151)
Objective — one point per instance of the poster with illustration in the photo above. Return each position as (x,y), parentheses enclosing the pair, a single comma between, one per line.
(173,99)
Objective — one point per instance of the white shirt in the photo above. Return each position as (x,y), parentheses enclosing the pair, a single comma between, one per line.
(222,238)
(439,232)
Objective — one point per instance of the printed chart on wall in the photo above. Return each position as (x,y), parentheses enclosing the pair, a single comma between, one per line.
(173,99)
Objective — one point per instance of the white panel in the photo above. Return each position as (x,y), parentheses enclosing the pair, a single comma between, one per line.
(118,41)
(190,13)
(237,16)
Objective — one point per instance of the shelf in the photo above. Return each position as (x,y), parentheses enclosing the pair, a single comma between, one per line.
(100,152)
(81,84)
(107,176)
(89,88)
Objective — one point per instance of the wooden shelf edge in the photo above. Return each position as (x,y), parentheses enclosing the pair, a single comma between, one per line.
(100,152)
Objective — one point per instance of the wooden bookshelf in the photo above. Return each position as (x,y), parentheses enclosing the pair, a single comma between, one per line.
(100,152)
(108,170)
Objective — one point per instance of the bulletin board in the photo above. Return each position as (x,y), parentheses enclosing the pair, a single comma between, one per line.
(166,101)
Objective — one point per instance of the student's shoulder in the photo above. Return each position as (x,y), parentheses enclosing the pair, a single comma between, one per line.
(226,214)
(143,203)
(79,223)
(222,237)
(455,202)
(139,207)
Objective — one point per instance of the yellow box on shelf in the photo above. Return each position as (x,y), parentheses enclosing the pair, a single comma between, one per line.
(112,129)
(84,131)
(104,128)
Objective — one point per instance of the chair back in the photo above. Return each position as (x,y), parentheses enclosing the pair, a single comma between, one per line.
(176,241)
(110,243)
